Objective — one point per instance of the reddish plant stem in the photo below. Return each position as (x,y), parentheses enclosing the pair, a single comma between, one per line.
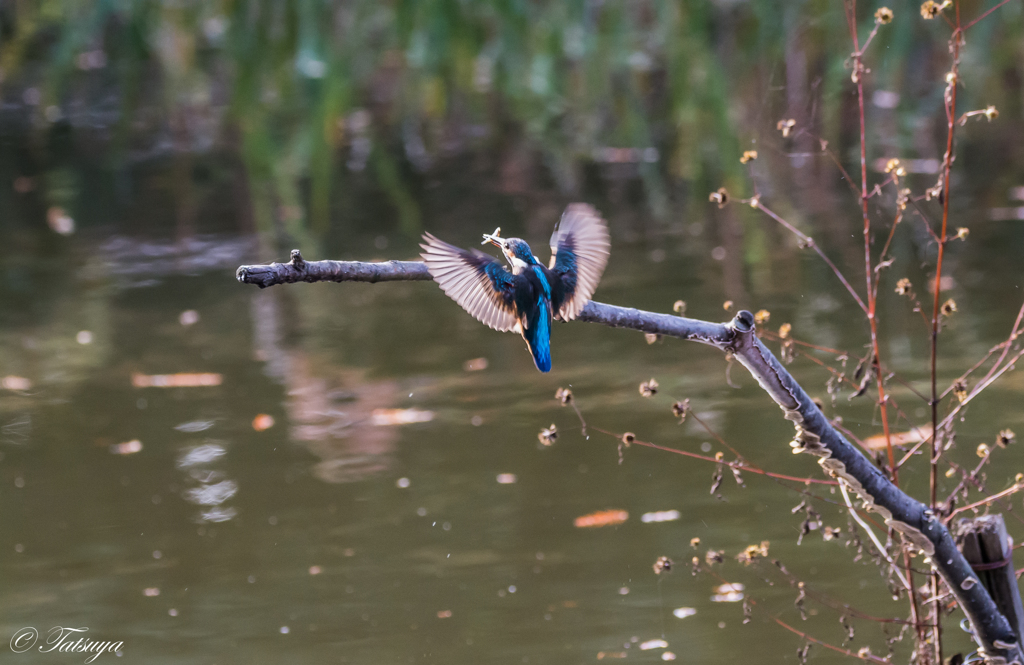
(858,65)
(859,70)
(992,9)
(731,465)
(933,475)
(871,658)
(947,164)
(986,501)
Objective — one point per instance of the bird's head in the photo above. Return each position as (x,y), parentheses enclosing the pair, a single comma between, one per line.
(516,251)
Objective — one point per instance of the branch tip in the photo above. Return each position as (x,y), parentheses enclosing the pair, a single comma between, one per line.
(743,322)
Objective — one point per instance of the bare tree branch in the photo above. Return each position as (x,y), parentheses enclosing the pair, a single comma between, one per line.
(814,433)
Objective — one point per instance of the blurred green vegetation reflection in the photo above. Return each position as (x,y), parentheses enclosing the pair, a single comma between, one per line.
(321,119)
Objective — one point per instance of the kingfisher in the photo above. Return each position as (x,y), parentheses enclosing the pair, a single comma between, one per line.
(526,298)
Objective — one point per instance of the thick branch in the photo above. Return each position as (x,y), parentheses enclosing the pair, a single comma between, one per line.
(300,270)
(814,433)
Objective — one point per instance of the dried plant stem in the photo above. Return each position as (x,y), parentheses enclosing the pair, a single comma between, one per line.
(868,271)
(1013,489)
(739,466)
(867,656)
(983,15)
(871,658)
(809,242)
(947,163)
(874,538)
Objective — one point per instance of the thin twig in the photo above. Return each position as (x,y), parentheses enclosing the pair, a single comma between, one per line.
(809,242)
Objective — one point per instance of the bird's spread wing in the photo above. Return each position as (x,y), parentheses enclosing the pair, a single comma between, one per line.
(474,280)
(579,253)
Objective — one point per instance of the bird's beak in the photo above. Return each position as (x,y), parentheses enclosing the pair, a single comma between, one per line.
(494,238)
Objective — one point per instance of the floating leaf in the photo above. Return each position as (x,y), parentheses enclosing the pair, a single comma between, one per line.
(475,365)
(262,422)
(917,435)
(660,516)
(601,518)
(387,417)
(15,383)
(126,448)
(199,380)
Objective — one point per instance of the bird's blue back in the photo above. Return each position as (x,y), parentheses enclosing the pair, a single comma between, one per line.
(537,326)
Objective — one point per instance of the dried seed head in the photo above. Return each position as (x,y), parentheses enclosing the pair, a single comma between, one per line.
(752,553)
(679,307)
(948,307)
(903,287)
(983,450)
(662,565)
(961,232)
(649,388)
(548,435)
(785,126)
(991,113)
(755,201)
(902,198)
(727,305)
(564,395)
(1005,438)
(719,456)
(784,330)
(651,338)
(828,533)
(950,472)
(883,15)
(628,438)
(930,9)
(721,197)
(762,316)
(894,166)
(864,653)
(748,156)
(960,390)
(679,409)
(694,543)
(714,556)
(951,78)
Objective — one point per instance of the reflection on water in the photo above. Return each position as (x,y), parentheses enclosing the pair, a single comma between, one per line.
(329,409)
(206,484)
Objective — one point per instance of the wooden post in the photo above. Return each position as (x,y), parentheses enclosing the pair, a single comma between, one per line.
(987,547)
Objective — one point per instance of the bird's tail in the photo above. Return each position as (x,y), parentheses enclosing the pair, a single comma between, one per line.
(538,336)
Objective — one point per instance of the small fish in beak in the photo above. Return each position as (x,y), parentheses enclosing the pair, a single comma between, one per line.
(494,238)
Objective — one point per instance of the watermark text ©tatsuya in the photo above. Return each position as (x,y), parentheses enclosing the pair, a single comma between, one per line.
(62,639)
